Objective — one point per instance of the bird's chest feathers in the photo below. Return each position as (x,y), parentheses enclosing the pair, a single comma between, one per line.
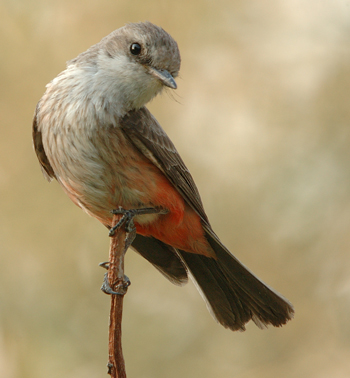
(97,165)
(94,161)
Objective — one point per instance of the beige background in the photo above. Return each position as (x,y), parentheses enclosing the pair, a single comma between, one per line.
(261,117)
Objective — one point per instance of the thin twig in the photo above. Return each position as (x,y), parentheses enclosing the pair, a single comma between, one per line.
(116,364)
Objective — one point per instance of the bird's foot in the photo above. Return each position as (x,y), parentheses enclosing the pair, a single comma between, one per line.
(120,289)
(128,217)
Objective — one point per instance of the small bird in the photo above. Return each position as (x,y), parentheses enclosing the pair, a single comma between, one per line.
(94,135)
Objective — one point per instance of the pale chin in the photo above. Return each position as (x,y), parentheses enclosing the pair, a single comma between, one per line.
(147,93)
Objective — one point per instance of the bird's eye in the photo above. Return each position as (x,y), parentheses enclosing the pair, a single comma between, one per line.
(135,49)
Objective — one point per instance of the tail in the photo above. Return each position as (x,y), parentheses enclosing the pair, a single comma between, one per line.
(233,294)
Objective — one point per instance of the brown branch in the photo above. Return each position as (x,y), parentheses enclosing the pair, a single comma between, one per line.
(116,364)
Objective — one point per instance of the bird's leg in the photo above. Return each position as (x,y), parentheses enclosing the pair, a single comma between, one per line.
(128,220)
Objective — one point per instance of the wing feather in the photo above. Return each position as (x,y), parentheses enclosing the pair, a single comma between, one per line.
(39,149)
(143,130)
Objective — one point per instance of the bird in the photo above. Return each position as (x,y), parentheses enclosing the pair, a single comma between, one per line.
(93,133)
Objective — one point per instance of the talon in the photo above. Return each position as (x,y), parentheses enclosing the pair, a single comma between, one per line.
(127,281)
(123,219)
(120,289)
(104,265)
(109,366)
(127,219)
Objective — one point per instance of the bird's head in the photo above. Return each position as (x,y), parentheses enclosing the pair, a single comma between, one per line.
(132,64)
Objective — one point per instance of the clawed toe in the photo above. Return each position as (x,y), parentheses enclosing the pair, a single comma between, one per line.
(128,219)
(120,289)
(128,216)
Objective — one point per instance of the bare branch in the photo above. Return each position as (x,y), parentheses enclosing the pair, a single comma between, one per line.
(116,364)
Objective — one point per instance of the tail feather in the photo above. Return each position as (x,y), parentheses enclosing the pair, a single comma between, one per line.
(234,294)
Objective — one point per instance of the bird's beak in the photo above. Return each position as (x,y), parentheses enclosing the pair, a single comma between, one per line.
(164,76)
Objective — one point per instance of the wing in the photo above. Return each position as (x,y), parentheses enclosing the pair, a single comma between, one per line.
(145,133)
(39,149)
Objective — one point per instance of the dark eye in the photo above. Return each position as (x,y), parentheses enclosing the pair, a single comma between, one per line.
(135,49)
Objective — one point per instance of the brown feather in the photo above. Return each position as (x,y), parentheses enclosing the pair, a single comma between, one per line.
(39,150)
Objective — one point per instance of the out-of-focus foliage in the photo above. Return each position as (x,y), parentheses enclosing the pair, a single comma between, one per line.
(261,118)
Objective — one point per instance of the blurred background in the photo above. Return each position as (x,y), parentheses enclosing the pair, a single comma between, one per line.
(261,117)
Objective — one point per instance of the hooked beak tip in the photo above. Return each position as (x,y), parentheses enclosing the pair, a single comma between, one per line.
(165,77)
